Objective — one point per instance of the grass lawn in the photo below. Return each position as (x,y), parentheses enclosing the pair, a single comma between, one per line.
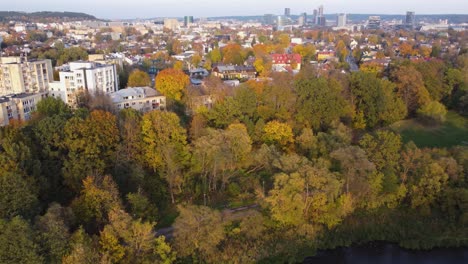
(453,132)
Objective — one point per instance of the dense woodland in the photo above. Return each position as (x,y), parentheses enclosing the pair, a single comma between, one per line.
(312,156)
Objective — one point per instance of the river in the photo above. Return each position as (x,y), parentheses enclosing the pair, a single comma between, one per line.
(386,253)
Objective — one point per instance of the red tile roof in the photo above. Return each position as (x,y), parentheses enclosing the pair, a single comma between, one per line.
(286,58)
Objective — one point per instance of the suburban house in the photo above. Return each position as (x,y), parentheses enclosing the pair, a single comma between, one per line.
(286,62)
(143,99)
(231,72)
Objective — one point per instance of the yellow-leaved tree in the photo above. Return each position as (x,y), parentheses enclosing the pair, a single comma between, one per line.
(172,83)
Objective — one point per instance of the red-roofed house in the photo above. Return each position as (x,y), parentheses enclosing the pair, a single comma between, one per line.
(286,62)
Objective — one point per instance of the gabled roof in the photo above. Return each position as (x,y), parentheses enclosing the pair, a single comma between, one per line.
(286,58)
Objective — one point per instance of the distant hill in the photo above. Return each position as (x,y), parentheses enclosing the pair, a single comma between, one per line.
(44,15)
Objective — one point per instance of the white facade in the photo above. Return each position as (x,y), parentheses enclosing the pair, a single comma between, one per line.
(143,99)
(77,77)
(18,107)
(17,75)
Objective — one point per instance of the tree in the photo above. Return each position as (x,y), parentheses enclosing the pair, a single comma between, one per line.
(83,250)
(278,133)
(97,198)
(376,99)
(309,195)
(383,149)
(17,242)
(17,196)
(218,154)
(197,232)
(138,79)
(141,207)
(51,106)
(319,102)
(165,147)
(232,54)
(215,55)
(307,52)
(54,232)
(360,177)
(91,145)
(433,112)
(125,240)
(411,87)
(172,83)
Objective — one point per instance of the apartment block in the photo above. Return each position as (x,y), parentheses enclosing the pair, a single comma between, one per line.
(84,76)
(18,75)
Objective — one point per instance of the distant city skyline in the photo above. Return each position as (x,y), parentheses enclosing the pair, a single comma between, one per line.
(111,9)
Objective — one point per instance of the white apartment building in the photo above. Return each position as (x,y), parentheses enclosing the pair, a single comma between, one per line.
(143,99)
(18,75)
(18,107)
(81,76)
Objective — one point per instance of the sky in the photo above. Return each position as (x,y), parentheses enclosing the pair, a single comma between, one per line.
(114,9)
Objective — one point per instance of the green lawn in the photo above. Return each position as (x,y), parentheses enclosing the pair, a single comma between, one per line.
(453,132)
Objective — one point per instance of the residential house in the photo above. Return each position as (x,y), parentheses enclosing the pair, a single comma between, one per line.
(143,99)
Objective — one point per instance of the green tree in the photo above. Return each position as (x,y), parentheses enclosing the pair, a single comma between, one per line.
(54,232)
(17,196)
(319,102)
(376,99)
(17,242)
(51,106)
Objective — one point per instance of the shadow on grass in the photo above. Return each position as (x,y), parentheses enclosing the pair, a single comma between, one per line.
(451,133)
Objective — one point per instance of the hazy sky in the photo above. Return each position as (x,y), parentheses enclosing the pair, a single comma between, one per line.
(113,9)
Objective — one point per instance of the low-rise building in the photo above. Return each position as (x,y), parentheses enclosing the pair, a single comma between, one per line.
(286,62)
(143,99)
(18,107)
(231,72)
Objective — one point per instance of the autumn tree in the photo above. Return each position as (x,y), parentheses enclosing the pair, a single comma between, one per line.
(98,196)
(125,240)
(218,154)
(138,78)
(410,85)
(278,133)
(308,195)
(232,54)
(215,55)
(172,83)
(197,232)
(360,177)
(307,52)
(91,145)
(165,147)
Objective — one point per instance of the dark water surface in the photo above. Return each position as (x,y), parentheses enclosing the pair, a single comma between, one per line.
(385,253)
